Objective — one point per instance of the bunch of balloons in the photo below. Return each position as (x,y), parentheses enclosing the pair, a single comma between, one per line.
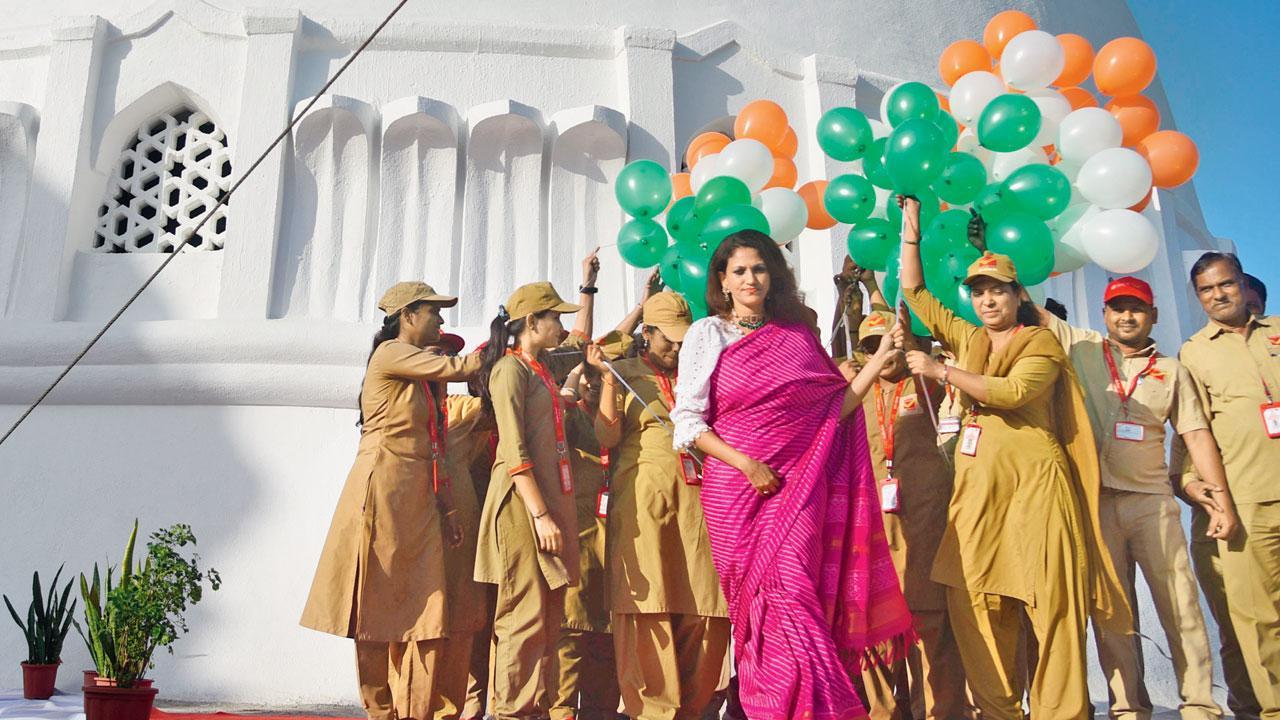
(733,184)
(1059,180)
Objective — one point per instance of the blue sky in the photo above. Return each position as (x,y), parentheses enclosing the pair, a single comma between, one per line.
(1217,62)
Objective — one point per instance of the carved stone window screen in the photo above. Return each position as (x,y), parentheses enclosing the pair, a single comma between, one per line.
(177,167)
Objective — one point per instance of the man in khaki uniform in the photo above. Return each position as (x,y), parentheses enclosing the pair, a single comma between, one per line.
(1235,363)
(914,481)
(670,620)
(1131,392)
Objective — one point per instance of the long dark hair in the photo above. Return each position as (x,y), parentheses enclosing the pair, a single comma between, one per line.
(1027,313)
(390,330)
(504,331)
(783,301)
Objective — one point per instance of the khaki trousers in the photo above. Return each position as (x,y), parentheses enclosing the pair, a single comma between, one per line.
(1145,530)
(1208,568)
(478,675)
(588,684)
(669,665)
(928,684)
(1251,576)
(455,674)
(398,679)
(989,631)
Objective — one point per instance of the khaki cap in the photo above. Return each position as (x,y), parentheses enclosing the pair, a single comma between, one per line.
(877,323)
(403,294)
(670,313)
(535,298)
(992,265)
(616,345)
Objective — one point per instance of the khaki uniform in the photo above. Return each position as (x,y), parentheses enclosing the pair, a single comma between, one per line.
(1022,529)
(931,680)
(670,619)
(1232,376)
(531,584)
(381,576)
(1141,519)
(466,437)
(588,684)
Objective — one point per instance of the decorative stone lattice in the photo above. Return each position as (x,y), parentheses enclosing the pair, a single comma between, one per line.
(176,169)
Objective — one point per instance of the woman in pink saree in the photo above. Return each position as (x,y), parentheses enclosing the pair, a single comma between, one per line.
(788,492)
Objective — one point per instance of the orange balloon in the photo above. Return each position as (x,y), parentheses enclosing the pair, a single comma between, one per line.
(944,102)
(1124,66)
(1003,27)
(1079,60)
(1078,97)
(790,144)
(1138,116)
(1143,203)
(680,186)
(784,173)
(708,143)
(961,58)
(762,120)
(1173,157)
(812,192)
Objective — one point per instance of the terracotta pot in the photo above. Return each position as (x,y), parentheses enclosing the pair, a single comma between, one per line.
(38,681)
(117,703)
(99,681)
(90,678)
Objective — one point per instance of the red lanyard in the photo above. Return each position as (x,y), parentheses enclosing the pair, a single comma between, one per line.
(557,411)
(437,429)
(1117,383)
(604,451)
(887,423)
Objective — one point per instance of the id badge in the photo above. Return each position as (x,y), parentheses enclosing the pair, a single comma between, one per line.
(948,425)
(1271,419)
(566,477)
(602,503)
(889,495)
(969,440)
(689,469)
(1132,432)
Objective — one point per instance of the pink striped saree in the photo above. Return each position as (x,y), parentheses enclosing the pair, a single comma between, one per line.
(812,591)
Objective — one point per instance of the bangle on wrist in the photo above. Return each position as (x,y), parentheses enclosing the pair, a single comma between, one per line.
(542,515)
(588,289)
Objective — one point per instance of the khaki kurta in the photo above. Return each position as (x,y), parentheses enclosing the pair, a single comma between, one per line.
(381,574)
(466,437)
(586,606)
(659,552)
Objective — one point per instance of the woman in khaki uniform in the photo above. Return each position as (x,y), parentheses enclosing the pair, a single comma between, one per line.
(528,543)
(1022,533)
(381,576)
(670,620)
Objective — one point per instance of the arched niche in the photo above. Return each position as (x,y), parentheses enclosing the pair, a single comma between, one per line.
(19,125)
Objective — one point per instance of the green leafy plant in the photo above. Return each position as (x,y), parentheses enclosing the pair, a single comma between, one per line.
(146,611)
(48,620)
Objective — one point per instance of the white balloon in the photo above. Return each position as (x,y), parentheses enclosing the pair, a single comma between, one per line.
(1003,164)
(786,212)
(884,103)
(879,129)
(882,203)
(971,93)
(749,161)
(1120,241)
(1086,132)
(1033,59)
(1068,247)
(1054,108)
(1115,178)
(707,168)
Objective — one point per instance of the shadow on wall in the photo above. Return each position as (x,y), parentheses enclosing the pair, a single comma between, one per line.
(707,83)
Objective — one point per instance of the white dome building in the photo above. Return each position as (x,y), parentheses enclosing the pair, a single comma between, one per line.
(474,145)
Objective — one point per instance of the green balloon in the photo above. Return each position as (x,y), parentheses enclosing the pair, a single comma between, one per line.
(950,130)
(693,277)
(643,188)
(682,223)
(914,156)
(944,276)
(929,207)
(850,198)
(890,289)
(948,232)
(1028,243)
(669,268)
(728,220)
(963,304)
(912,100)
(719,192)
(844,134)
(963,177)
(1041,190)
(642,242)
(1009,122)
(871,242)
(873,164)
(991,203)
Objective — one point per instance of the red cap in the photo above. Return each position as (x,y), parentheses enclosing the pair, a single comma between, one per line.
(451,343)
(1129,287)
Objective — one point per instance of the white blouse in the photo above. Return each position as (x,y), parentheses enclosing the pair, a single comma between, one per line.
(699,354)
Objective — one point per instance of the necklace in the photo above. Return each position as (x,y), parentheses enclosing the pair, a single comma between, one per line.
(751,322)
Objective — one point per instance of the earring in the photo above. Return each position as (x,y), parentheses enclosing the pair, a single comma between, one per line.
(728,297)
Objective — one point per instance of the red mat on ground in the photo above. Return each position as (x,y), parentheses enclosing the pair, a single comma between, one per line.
(162,715)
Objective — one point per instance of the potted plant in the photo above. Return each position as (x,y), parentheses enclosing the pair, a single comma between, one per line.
(48,620)
(127,623)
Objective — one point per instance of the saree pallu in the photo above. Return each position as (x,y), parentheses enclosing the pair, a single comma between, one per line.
(811,587)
